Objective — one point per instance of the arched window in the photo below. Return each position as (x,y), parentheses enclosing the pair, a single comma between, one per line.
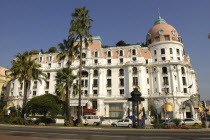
(183,70)
(84,74)
(134,51)
(95,73)
(109,72)
(134,70)
(96,54)
(121,72)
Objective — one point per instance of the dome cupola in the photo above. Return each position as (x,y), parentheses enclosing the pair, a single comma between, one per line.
(162,31)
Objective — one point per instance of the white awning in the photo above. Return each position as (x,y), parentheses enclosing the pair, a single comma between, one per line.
(76,102)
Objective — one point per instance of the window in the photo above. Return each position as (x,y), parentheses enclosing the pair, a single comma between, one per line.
(155,60)
(40,59)
(121,91)
(109,73)
(34,93)
(83,55)
(109,82)
(162,51)
(171,51)
(147,80)
(172,58)
(163,58)
(96,54)
(165,81)
(46,92)
(134,58)
(155,52)
(164,70)
(177,51)
(83,62)
(95,73)
(157,39)
(95,83)
(135,70)
(178,58)
(121,72)
(109,54)
(184,81)
(167,37)
(95,92)
(185,90)
(183,70)
(121,82)
(50,58)
(134,52)
(48,75)
(109,92)
(116,110)
(121,60)
(95,104)
(47,85)
(135,81)
(35,85)
(96,61)
(59,65)
(147,71)
(49,65)
(109,61)
(146,61)
(121,52)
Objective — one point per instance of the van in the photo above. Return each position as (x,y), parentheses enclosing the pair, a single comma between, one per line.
(92,120)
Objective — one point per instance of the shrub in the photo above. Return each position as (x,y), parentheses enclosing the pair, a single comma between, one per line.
(44,120)
(170,127)
(158,126)
(17,120)
(185,127)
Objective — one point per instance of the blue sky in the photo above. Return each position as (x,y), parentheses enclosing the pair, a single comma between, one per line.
(39,24)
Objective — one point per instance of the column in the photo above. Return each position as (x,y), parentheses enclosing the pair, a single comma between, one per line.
(100,107)
(179,77)
(90,83)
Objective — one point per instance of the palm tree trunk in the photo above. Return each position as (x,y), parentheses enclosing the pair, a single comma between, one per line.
(80,73)
(26,84)
(68,113)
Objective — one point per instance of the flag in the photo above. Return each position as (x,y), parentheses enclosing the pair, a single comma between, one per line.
(137,87)
(190,86)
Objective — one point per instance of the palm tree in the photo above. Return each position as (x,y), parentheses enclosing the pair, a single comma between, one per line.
(64,80)
(25,69)
(80,26)
(68,50)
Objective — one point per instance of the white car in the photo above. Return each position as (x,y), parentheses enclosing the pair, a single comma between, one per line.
(123,122)
(92,120)
(190,121)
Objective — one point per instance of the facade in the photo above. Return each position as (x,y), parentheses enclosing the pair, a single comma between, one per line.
(3,82)
(162,71)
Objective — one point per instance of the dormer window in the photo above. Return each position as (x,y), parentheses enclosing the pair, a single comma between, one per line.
(134,51)
(148,35)
(157,39)
(173,32)
(121,52)
(109,54)
(96,54)
(167,37)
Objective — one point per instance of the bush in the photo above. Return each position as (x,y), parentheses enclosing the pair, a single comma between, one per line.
(158,126)
(18,120)
(185,127)
(170,127)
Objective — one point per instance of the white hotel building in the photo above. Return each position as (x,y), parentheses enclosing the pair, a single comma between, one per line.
(162,71)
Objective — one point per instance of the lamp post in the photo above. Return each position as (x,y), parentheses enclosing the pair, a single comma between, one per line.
(137,108)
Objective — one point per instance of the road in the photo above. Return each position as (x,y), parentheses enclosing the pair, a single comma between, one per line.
(58,133)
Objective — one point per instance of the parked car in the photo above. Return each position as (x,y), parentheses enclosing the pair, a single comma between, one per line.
(92,120)
(190,121)
(123,122)
(169,123)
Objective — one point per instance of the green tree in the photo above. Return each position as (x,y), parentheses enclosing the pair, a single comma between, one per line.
(25,69)
(52,50)
(34,52)
(64,80)
(80,26)
(121,43)
(44,104)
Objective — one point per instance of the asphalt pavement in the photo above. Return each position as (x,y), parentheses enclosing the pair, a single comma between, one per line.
(11,132)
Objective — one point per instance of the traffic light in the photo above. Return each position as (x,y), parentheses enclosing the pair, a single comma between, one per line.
(203,104)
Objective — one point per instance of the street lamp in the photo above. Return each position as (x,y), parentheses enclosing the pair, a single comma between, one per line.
(137,108)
